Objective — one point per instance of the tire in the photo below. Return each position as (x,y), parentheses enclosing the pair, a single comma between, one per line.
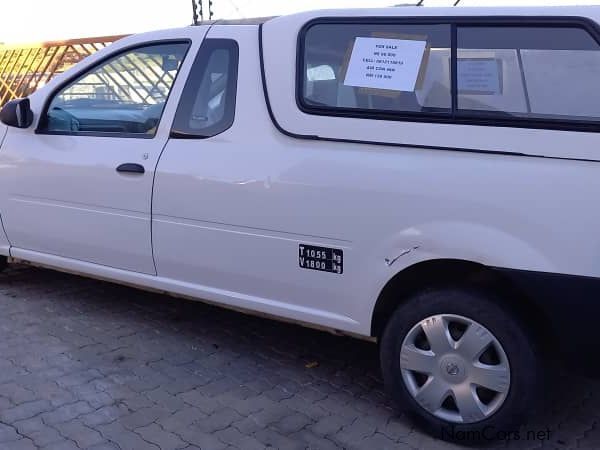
(422,366)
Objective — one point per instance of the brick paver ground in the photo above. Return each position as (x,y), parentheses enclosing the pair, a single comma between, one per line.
(88,364)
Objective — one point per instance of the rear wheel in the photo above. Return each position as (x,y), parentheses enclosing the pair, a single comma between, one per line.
(461,363)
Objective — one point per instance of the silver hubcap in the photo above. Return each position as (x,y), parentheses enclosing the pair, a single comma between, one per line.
(455,368)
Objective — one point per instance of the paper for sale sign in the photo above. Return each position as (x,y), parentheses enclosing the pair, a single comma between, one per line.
(391,64)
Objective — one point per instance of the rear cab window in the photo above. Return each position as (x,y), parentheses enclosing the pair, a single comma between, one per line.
(358,67)
(543,72)
(532,72)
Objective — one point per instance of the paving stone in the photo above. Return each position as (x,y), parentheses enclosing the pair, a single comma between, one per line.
(5,403)
(143,417)
(156,435)
(56,395)
(66,412)
(182,419)
(10,374)
(342,409)
(26,426)
(145,384)
(273,439)
(8,433)
(137,402)
(219,420)
(45,436)
(247,426)
(396,429)
(301,405)
(124,438)
(78,432)
(380,442)
(272,414)
(233,437)
(184,383)
(87,364)
(246,406)
(162,398)
(91,394)
(21,444)
(292,423)
(313,441)
(104,415)
(218,387)
(206,404)
(201,439)
(104,446)
(420,440)
(259,385)
(16,393)
(24,411)
(357,431)
(329,425)
(78,378)
(61,445)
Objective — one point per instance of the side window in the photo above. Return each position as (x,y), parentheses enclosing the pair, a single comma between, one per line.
(207,105)
(541,74)
(125,94)
(529,72)
(377,67)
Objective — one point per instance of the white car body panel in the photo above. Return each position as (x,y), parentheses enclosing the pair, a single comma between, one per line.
(221,219)
(189,290)
(238,241)
(93,214)
(4,244)
(281,38)
(274,192)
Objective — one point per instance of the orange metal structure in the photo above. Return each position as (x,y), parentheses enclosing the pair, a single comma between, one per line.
(24,68)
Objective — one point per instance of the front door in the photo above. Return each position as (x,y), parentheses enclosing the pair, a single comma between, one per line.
(80,187)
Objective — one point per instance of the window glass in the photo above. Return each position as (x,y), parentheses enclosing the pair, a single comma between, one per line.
(207,106)
(531,72)
(380,67)
(126,94)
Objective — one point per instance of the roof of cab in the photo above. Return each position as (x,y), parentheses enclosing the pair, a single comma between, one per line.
(592,12)
(247,21)
(299,19)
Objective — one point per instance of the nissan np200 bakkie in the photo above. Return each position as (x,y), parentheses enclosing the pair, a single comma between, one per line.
(425,178)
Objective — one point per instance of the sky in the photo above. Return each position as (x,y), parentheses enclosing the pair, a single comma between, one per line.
(65,19)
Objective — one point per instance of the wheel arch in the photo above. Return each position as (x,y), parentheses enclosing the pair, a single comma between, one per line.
(443,272)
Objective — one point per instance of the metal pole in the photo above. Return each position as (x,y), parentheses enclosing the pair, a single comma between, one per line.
(194,13)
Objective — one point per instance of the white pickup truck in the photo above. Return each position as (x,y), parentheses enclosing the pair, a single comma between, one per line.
(425,178)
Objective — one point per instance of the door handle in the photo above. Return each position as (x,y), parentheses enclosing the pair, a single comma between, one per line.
(131,168)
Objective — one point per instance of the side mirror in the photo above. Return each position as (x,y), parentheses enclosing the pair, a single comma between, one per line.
(17,113)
